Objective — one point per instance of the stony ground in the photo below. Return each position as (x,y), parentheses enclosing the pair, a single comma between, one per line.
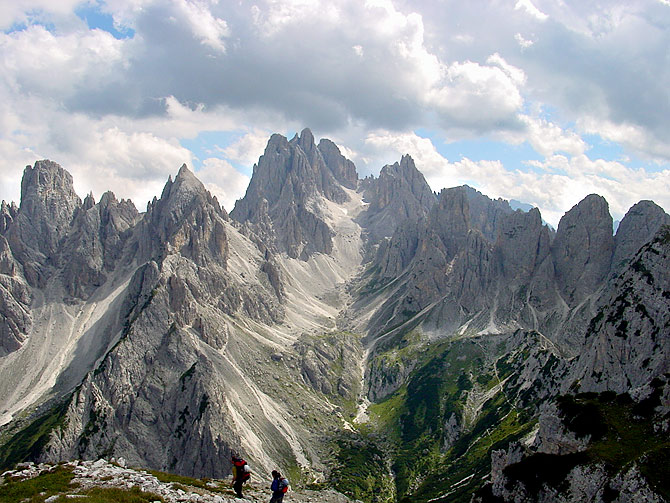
(172,489)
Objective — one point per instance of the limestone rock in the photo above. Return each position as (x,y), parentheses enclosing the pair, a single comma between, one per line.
(486,214)
(95,243)
(15,299)
(342,168)
(282,197)
(521,246)
(582,249)
(329,364)
(48,204)
(633,321)
(7,215)
(400,194)
(186,220)
(639,225)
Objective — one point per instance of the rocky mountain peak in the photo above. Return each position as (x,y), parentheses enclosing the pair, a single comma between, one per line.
(177,337)
(89,202)
(450,218)
(8,213)
(47,192)
(342,168)
(486,214)
(523,243)
(188,218)
(107,199)
(185,192)
(291,176)
(48,206)
(401,193)
(583,247)
(48,203)
(306,140)
(637,227)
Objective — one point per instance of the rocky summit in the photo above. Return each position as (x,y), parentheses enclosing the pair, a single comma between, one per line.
(370,338)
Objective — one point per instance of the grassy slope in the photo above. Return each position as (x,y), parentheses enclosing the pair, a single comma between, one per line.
(58,483)
(27,443)
(407,429)
(621,434)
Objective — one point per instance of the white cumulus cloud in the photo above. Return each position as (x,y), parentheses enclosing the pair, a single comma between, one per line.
(223,181)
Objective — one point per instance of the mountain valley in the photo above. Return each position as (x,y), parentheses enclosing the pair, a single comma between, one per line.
(364,335)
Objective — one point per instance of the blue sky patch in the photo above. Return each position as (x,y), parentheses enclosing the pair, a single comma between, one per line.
(209,144)
(95,19)
(482,149)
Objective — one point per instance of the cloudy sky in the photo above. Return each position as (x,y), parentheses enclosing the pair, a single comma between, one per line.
(543,101)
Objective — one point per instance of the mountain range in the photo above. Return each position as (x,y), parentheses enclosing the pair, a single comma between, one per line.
(365,334)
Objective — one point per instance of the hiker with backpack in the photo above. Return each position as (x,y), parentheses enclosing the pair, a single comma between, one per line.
(279,487)
(241,473)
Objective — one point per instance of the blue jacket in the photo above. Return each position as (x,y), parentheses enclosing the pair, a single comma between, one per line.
(279,485)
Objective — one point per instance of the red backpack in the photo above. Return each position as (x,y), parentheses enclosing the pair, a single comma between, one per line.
(243,471)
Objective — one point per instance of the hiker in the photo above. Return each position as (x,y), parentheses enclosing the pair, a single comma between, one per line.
(241,473)
(279,487)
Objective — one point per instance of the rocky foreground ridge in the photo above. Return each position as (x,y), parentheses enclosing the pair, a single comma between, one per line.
(79,478)
(367,334)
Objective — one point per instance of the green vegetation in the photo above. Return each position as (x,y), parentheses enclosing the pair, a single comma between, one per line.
(362,469)
(184,483)
(416,442)
(187,375)
(58,482)
(28,443)
(621,433)
(38,489)
(115,495)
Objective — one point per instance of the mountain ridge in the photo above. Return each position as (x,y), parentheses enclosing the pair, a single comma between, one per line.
(285,327)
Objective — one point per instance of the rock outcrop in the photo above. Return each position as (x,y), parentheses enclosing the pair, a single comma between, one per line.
(330,364)
(15,299)
(48,204)
(399,196)
(174,337)
(115,475)
(95,243)
(626,343)
(571,458)
(641,222)
(582,249)
(281,201)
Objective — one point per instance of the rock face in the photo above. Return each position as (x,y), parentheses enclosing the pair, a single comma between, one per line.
(177,336)
(163,382)
(330,364)
(7,214)
(582,249)
(639,225)
(568,460)
(633,320)
(400,194)
(95,243)
(281,200)
(48,203)
(448,261)
(15,298)
(342,168)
